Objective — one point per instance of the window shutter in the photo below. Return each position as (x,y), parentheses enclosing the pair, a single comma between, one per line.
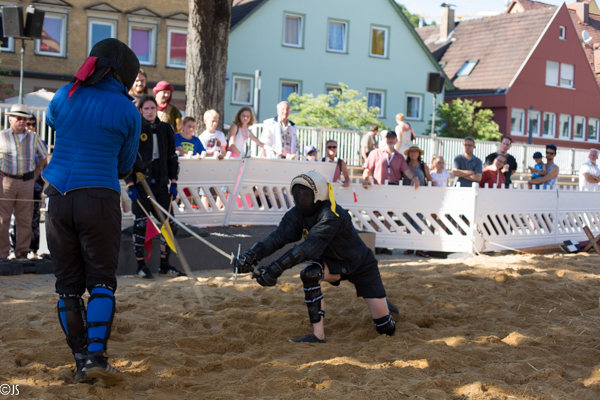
(551,73)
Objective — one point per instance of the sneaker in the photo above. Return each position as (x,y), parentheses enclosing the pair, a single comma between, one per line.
(170,272)
(80,375)
(32,256)
(144,273)
(97,366)
(309,338)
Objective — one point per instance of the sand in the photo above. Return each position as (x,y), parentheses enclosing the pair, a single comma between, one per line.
(505,327)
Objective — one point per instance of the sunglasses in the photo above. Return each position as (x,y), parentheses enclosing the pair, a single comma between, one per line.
(31,124)
(332,147)
(550,152)
(19,118)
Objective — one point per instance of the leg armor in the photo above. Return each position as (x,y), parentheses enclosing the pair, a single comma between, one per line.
(101,311)
(139,236)
(71,315)
(311,275)
(385,325)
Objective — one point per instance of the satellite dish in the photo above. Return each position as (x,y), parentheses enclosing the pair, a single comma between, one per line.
(585,35)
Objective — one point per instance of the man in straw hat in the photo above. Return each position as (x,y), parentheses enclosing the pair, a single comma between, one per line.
(18,148)
(332,246)
(97,135)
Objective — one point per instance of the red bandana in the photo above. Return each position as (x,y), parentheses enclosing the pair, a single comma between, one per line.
(85,71)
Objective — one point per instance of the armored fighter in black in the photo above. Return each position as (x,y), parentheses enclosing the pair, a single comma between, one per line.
(334,249)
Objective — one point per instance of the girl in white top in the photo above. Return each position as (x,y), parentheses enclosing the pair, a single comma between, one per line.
(439,175)
(405,134)
(240,135)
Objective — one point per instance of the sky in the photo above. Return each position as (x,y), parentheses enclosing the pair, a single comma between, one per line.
(472,8)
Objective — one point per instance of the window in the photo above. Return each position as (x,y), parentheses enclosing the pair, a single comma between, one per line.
(593,129)
(549,124)
(337,36)
(142,40)
(379,39)
(563,33)
(99,30)
(517,121)
(554,70)
(176,44)
(376,98)
(413,106)
(534,123)
(288,88)
(564,126)
(329,89)
(54,36)
(292,31)
(566,75)
(579,131)
(242,90)
(467,68)
(7,43)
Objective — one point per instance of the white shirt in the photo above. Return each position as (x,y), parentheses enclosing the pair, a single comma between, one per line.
(440,179)
(588,168)
(212,142)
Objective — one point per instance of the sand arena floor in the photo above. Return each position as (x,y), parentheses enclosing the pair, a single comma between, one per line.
(507,327)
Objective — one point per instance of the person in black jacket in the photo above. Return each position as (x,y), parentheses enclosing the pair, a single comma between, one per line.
(157,152)
(333,245)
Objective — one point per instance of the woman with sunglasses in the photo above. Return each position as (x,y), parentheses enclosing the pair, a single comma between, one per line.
(341,167)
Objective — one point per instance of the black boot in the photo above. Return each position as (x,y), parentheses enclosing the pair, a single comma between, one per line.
(97,366)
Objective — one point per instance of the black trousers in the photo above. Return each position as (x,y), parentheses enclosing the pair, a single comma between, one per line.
(83,228)
(161,194)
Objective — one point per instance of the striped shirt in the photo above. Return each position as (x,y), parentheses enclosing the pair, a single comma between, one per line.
(18,157)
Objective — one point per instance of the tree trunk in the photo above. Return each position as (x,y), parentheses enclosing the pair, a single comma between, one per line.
(206,61)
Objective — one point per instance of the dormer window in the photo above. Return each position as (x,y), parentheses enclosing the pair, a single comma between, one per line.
(563,33)
(467,68)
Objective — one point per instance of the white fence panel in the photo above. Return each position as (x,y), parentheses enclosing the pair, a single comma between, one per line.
(428,218)
(204,188)
(515,218)
(263,196)
(577,209)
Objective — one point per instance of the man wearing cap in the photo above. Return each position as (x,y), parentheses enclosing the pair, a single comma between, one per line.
(333,249)
(385,163)
(97,134)
(166,111)
(18,171)
(589,173)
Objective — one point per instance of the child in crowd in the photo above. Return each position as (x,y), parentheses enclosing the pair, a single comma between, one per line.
(439,175)
(539,169)
(311,153)
(240,135)
(185,142)
(214,141)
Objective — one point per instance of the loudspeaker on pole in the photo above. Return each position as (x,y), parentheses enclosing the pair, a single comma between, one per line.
(34,24)
(12,21)
(435,82)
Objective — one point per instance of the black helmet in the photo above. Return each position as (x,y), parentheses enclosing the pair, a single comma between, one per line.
(113,53)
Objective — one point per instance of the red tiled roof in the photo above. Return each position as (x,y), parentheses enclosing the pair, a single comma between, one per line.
(500,43)
(529,5)
(593,28)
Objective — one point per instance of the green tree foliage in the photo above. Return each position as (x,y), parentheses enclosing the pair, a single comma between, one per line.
(344,109)
(413,18)
(458,119)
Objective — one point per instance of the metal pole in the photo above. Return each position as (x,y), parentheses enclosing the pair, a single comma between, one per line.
(22,69)
(257,82)
(433,118)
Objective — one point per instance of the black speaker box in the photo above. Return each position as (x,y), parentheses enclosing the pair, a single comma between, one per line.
(12,21)
(34,23)
(435,82)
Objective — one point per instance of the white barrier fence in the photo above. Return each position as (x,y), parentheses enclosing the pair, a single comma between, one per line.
(454,219)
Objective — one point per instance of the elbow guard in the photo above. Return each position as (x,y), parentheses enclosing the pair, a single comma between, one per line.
(290,258)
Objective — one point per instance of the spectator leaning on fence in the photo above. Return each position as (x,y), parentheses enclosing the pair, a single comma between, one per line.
(214,141)
(439,174)
(341,168)
(589,173)
(367,143)
(467,167)
(386,163)
(552,170)
(510,166)
(186,143)
(240,135)
(18,171)
(279,135)
(492,174)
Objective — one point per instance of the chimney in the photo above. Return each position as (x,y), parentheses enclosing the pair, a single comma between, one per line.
(447,21)
(583,11)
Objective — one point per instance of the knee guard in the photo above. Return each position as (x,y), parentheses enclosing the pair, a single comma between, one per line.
(385,325)
(71,315)
(101,311)
(139,236)
(311,275)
